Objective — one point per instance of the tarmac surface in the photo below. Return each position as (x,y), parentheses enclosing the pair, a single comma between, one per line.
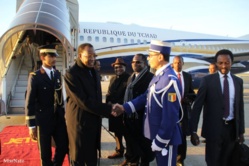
(195,154)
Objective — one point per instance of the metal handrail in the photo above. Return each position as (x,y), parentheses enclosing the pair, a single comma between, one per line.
(18,72)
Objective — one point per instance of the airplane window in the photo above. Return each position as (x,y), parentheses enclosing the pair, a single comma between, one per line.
(89,38)
(132,41)
(111,40)
(96,39)
(81,38)
(138,41)
(104,39)
(118,40)
(125,40)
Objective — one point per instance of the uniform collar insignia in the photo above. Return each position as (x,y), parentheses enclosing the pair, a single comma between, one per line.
(42,70)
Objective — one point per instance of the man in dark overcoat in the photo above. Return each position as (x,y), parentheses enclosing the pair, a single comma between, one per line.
(137,146)
(115,94)
(84,108)
(44,109)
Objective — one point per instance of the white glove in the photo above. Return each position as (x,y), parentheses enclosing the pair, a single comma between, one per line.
(154,147)
(164,152)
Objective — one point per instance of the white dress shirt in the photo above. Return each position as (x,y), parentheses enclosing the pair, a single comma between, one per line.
(231,93)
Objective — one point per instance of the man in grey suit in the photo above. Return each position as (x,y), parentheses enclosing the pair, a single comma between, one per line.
(221,94)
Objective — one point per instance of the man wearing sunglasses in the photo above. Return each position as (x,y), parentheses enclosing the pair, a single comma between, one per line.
(137,146)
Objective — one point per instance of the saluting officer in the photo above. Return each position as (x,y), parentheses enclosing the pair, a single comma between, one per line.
(45,110)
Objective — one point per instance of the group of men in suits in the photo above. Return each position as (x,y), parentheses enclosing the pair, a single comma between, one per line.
(165,107)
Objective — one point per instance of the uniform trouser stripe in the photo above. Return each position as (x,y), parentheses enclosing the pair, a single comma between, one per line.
(170,155)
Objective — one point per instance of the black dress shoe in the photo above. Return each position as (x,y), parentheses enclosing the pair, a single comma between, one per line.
(115,155)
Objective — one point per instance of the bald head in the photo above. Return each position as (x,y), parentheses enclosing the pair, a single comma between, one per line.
(177,63)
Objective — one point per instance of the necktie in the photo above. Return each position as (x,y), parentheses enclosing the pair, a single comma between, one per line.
(179,78)
(226,96)
(52,75)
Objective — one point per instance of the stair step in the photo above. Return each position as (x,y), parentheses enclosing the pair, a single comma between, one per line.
(23,77)
(21,89)
(17,103)
(16,111)
(23,72)
(19,95)
(59,63)
(22,83)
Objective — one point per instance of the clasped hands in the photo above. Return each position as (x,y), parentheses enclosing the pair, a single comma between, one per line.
(117,109)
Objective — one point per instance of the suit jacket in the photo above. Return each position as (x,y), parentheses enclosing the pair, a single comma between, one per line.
(210,96)
(40,99)
(187,99)
(160,122)
(84,110)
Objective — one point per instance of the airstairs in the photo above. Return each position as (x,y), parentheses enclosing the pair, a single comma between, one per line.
(55,20)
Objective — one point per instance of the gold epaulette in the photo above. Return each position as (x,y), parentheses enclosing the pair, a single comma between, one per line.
(32,73)
(30,117)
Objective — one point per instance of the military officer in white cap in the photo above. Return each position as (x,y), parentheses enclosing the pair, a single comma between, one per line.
(162,105)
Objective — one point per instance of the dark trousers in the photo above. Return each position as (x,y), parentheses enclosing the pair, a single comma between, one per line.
(78,163)
(182,150)
(219,152)
(58,132)
(137,146)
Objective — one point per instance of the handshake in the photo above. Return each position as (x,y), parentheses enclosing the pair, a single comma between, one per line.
(117,110)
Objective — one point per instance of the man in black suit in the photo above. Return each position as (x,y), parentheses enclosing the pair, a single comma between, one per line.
(84,108)
(221,94)
(137,146)
(188,96)
(44,109)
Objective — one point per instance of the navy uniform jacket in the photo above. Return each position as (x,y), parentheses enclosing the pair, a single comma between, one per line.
(162,108)
(40,100)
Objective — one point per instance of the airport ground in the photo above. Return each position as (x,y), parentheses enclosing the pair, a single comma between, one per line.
(195,155)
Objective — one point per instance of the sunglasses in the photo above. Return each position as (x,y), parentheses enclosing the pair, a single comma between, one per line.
(136,62)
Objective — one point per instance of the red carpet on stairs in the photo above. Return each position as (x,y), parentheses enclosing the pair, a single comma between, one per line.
(16,148)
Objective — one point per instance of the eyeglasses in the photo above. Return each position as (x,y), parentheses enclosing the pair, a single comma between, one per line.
(118,67)
(136,62)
